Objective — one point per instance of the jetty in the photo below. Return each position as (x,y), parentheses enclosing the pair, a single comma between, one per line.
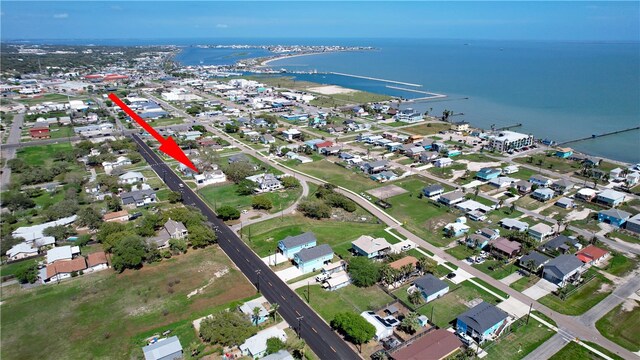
(376,79)
(508,127)
(429,95)
(595,136)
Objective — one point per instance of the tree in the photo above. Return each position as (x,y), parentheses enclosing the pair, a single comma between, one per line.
(227,328)
(415,297)
(178,245)
(27,272)
(90,218)
(129,253)
(261,202)
(239,170)
(363,272)
(17,165)
(15,200)
(290,182)
(273,311)
(314,209)
(201,236)
(410,323)
(274,345)
(113,203)
(148,225)
(255,315)
(175,197)
(59,232)
(427,265)
(107,229)
(354,327)
(227,212)
(387,274)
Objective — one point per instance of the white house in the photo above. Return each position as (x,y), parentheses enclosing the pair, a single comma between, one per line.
(208,178)
(120,161)
(443,162)
(384,326)
(256,346)
(131,177)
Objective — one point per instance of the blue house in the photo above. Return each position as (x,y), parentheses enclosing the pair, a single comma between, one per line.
(482,322)
(543,194)
(312,259)
(433,190)
(613,217)
(452,153)
(291,245)
(431,287)
(564,152)
(488,173)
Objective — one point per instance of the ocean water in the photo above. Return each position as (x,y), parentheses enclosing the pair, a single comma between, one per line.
(557,90)
(212,56)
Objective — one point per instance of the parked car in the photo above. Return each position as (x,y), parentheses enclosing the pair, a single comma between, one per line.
(451,275)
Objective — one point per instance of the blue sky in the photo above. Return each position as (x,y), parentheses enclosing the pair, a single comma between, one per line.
(582,21)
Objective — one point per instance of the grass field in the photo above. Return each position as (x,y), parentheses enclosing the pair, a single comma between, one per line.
(625,237)
(220,195)
(338,175)
(621,326)
(47,199)
(620,264)
(349,298)
(10,269)
(166,121)
(523,173)
(49,97)
(520,342)
(524,283)
(448,307)
(41,155)
(583,299)
(428,128)
(263,237)
(96,315)
(574,351)
(557,164)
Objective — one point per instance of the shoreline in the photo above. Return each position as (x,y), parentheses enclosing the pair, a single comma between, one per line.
(282,57)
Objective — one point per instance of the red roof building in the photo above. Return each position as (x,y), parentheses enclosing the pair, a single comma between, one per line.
(40,132)
(324,144)
(592,255)
(435,345)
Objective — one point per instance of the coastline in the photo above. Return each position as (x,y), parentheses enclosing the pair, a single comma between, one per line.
(281,57)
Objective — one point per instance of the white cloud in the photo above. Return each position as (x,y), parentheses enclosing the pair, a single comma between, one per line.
(60,16)
(222,26)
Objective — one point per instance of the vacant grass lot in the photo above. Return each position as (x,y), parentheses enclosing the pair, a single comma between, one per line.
(349,298)
(263,237)
(621,326)
(337,175)
(524,283)
(625,237)
(583,299)
(574,351)
(520,342)
(552,162)
(620,264)
(447,308)
(41,155)
(226,194)
(61,98)
(428,128)
(96,315)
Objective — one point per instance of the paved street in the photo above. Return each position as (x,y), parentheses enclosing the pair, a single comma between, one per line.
(8,151)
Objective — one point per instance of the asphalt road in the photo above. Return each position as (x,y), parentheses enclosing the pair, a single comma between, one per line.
(323,341)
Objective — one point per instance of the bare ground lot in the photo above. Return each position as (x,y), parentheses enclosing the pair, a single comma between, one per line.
(387,191)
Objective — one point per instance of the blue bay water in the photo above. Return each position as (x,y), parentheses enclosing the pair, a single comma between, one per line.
(557,90)
(212,56)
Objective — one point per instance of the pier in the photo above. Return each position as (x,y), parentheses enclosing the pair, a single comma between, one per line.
(594,136)
(508,127)
(376,79)
(429,96)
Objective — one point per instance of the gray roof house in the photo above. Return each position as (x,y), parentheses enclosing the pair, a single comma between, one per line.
(538,260)
(633,224)
(313,253)
(176,229)
(291,245)
(563,269)
(164,349)
(513,224)
(433,190)
(562,186)
(452,197)
(431,287)
(561,243)
(138,198)
(482,321)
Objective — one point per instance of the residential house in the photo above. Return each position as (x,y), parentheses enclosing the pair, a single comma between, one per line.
(291,134)
(488,173)
(562,186)
(291,245)
(409,115)
(62,269)
(442,162)
(325,144)
(502,182)
(164,349)
(456,229)
(592,161)
(280,355)
(375,166)
(564,152)
(633,224)
(267,139)
(367,246)
(210,177)
(523,186)
(543,194)
(21,250)
(565,203)
(482,322)
(434,345)
(40,132)
(592,255)
(513,224)
(632,179)
(540,180)
(452,198)
(613,217)
(610,198)
(407,260)
(384,176)
(393,146)
(562,244)
(35,232)
(460,126)
(256,346)
(540,231)
(511,169)
(334,268)
(247,310)
(505,247)
(170,230)
(428,156)
(586,194)
(533,261)
(312,259)
(61,253)
(138,198)
(472,205)
(430,287)
(120,161)
(131,177)
(384,326)
(266,182)
(563,270)
(97,261)
(117,216)
(337,281)
(237,158)
(489,233)
(433,190)
(477,241)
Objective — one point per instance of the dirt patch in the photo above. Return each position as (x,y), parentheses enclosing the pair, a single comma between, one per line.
(604,288)
(331,90)
(387,191)
(629,304)
(476,166)
(216,275)
(578,215)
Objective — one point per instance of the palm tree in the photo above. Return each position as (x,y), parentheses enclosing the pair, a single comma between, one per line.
(387,274)
(256,315)
(274,310)
(410,323)
(405,270)
(500,203)
(476,191)
(530,265)
(415,297)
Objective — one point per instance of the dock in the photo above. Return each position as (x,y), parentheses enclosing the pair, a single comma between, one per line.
(595,136)
(508,127)
(376,79)
(429,96)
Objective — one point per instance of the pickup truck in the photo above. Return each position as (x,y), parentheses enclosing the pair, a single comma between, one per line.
(322,277)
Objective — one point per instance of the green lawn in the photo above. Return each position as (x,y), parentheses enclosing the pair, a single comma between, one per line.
(621,326)
(47,199)
(337,175)
(349,298)
(428,128)
(220,195)
(447,172)
(496,268)
(166,121)
(41,154)
(520,341)
(574,351)
(58,132)
(10,269)
(480,158)
(582,300)
(620,264)
(97,315)
(491,287)
(557,164)
(263,237)
(524,283)
(625,237)
(523,173)
(49,97)
(461,251)
(448,307)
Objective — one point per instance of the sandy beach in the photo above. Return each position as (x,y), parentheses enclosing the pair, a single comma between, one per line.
(266,62)
(331,90)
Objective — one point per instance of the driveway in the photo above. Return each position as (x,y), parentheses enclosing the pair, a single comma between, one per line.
(274,259)
(511,278)
(289,273)
(540,289)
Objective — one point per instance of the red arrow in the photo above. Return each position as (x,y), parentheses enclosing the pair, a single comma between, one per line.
(167,146)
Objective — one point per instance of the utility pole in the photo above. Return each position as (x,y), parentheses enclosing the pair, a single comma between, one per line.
(258,279)
(308,292)
(529,313)
(300,325)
